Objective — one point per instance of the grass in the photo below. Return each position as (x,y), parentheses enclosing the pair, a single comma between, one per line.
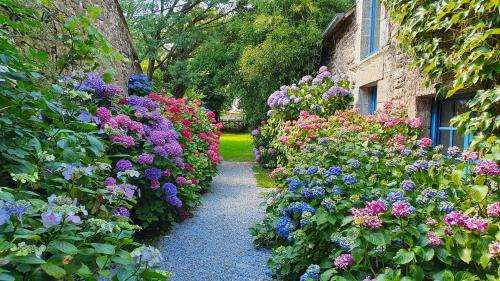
(239,148)
(262,177)
(236,147)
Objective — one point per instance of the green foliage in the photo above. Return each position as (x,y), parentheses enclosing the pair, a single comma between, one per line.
(343,197)
(455,43)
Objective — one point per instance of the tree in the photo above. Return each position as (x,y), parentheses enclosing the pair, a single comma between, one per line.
(166,33)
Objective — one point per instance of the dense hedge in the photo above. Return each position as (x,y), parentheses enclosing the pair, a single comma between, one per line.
(82,163)
(368,198)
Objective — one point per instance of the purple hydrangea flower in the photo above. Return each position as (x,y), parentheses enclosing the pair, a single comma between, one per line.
(121,211)
(123,165)
(152,173)
(408,185)
(145,159)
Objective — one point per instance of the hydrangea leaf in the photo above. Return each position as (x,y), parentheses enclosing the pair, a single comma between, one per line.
(53,270)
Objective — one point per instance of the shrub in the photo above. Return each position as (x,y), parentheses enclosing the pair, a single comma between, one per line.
(365,198)
(322,95)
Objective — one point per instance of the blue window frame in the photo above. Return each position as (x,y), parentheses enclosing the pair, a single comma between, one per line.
(373,43)
(442,133)
(373,100)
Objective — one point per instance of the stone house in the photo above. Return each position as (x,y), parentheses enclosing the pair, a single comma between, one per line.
(360,43)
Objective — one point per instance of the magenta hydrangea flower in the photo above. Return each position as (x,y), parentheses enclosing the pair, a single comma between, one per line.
(455,218)
(145,159)
(343,261)
(434,240)
(155,184)
(477,224)
(401,209)
(376,207)
(493,210)
(181,181)
(487,167)
(123,165)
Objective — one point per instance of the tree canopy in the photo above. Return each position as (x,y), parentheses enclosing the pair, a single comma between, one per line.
(224,50)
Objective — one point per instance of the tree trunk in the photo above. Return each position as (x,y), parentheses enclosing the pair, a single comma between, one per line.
(151,68)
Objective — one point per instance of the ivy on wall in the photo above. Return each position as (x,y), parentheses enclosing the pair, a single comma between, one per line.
(455,43)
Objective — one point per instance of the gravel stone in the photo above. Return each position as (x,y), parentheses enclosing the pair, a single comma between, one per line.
(216,244)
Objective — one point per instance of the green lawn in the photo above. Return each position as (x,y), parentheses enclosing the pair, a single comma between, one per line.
(236,147)
(262,177)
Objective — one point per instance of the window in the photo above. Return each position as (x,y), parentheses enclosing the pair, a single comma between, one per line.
(373,100)
(442,133)
(370,32)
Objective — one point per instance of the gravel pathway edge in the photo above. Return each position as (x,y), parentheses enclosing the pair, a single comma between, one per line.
(216,244)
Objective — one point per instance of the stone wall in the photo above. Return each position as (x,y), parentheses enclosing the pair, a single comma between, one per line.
(388,69)
(111,23)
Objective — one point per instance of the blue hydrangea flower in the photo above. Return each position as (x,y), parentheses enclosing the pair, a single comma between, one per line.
(311,274)
(421,153)
(301,207)
(442,195)
(354,164)
(349,179)
(318,191)
(334,171)
(446,207)
(337,190)
(294,184)
(284,226)
(344,243)
(408,185)
(4,216)
(429,193)
(406,152)
(396,196)
(312,170)
(377,153)
(306,192)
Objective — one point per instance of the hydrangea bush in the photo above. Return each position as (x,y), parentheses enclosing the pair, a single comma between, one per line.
(322,95)
(367,198)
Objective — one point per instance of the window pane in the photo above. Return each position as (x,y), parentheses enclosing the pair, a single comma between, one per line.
(446,114)
(460,106)
(458,140)
(444,138)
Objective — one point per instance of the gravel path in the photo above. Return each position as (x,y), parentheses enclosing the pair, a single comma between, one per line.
(215,245)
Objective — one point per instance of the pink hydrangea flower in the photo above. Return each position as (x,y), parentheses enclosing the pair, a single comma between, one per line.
(493,210)
(488,168)
(155,184)
(425,142)
(431,222)
(469,156)
(494,248)
(343,261)
(434,240)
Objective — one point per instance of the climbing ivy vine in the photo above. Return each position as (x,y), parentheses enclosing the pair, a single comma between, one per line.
(456,44)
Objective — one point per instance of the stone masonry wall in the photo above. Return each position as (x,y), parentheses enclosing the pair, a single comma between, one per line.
(113,26)
(388,69)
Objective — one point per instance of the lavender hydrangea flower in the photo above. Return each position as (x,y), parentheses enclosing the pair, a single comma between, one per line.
(50,219)
(408,185)
(396,196)
(123,165)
